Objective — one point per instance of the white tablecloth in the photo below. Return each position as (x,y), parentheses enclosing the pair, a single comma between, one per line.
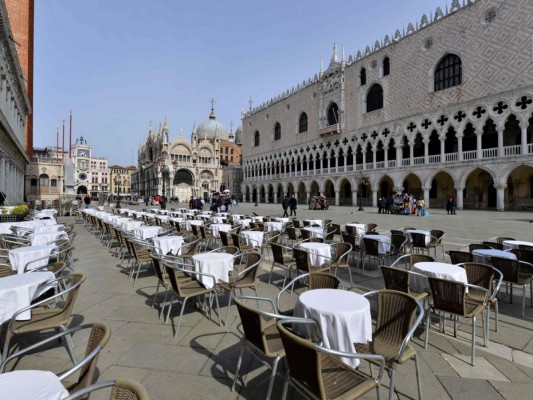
(146,232)
(5,227)
(163,218)
(384,242)
(217,264)
(273,226)
(45,213)
(218,220)
(19,257)
(37,239)
(196,222)
(131,225)
(439,270)
(17,292)
(318,222)
(253,238)
(319,253)
(31,384)
(49,228)
(484,255)
(513,244)
(344,318)
(167,244)
(281,219)
(360,229)
(408,234)
(256,219)
(215,228)
(235,217)
(316,232)
(245,223)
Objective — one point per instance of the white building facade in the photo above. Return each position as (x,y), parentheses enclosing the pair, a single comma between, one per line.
(14,108)
(442,109)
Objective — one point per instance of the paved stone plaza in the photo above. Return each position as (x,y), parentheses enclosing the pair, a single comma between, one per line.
(201,363)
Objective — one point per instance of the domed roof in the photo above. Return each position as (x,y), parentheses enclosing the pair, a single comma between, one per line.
(208,129)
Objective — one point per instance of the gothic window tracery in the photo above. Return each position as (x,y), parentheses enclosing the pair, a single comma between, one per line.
(302,123)
(277,131)
(333,114)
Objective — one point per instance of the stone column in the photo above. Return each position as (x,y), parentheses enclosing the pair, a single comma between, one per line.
(275,197)
(411,152)
(399,156)
(374,198)
(500,196)
(459,191)
(500,141)
(460,148)
(374,151)
(386,157)
(426,195)
(478,143)
(354,197)
(442,150)
(2,172)
(321,165)
(426,152)
(523,138)
(308,196)
(364,160)
(337,198)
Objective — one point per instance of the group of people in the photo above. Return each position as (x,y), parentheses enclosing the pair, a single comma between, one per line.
(318,203)
(291,203)
(451,204)
(402,203)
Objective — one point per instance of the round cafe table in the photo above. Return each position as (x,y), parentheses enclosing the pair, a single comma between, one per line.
(31,384)
(514,244)
(215,228)
(319,253)
(253,238)
(485,255)
(168,244)
(344,318)
(217,264)
(18,291)
(316,232)
(360,229)
(21,256)
(146,232)
(439,270)
(422,232)
(37,239)
(273,226)
(318,222)
(383,245)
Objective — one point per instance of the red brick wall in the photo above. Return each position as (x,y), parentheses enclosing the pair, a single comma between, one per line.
(21,19)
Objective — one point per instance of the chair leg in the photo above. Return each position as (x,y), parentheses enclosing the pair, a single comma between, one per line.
(523,299)
(229,304)
(272,377)
(391,385)
(418,378)
(69,344)
(179,320)
(428,321)
(238,364)
(286,385)
(156,293)
(472,362)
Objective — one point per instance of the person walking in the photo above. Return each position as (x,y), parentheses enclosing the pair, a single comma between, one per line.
(87,201)
(285,205)
(293,204)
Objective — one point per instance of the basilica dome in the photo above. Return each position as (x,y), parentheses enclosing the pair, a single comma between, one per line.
(211,128)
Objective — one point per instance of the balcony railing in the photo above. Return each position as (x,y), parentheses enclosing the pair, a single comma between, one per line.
(508,151)
(330,130)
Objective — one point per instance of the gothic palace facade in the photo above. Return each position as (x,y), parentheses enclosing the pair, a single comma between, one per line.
(444,108)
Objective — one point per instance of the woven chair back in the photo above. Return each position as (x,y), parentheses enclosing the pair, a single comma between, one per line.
(509,268)
(252,325)
(371,247)
(494,245)
(291,233)
(371,227)
(396,313)
(302,259)
(277,253)
(395,279)
(323,280)
(480,275)
(524,254)
(458,257)
(448,296)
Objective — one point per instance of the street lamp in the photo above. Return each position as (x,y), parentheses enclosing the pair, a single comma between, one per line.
(361,183)
(164,170)
(117,184)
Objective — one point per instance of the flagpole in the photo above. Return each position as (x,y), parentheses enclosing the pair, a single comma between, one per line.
(63,145)
(70,139)
(57,144)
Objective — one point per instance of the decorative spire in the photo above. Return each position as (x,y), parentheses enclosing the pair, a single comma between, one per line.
(343,59)
(334,55)
(321,66)
(231,126)
(212,114)
(165,125)
(251,103)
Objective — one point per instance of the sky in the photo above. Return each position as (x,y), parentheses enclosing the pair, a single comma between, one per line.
(121,64)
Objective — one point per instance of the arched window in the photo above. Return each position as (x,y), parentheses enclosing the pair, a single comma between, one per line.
(256,138)
(277,131)
(43,180)
(183,176)
(333,114)
(449,72)
(302,123)
(374,98)
(386,66)
(362,76)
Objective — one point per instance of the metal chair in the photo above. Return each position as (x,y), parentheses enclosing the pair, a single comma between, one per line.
(399,314)
(123,389)
(516,272)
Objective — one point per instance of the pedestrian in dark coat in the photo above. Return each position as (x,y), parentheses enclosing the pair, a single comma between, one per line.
(293,203)
(285,204)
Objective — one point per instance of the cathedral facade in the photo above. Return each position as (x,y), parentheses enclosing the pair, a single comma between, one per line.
(182,168)
(443,108)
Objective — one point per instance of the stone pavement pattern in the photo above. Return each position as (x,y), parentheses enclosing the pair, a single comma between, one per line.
(201,363)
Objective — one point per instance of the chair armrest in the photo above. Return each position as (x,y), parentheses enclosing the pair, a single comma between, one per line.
(86,360)
(265,299)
